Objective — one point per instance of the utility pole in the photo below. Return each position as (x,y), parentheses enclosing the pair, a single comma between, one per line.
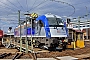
(79,23)
(87,21)
(78,37)
(26,37)
(20,30)
(31,37)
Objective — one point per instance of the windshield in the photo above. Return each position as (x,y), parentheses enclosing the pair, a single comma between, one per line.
(59,20)
(54,21)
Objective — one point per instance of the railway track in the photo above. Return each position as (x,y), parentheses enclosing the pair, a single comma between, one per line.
(40,53)
(17,56)
(10,56)
(4,55)
(17,46)
(35,55)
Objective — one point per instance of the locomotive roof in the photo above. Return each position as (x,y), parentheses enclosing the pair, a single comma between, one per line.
(52,15)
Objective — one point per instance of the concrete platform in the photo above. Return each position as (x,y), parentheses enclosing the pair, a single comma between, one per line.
(38,59)
(67,58)
(46,59)
(32,59)
(82,56)
(61,58)
(23,59)
(16,59)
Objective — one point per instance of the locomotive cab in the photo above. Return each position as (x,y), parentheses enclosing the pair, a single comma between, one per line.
(57,31)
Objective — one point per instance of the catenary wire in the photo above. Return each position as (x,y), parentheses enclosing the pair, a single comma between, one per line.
(7,5)
(13,4)
(20,5)
(67,4)
(8,8)
(27,5)
(33,4)
(38,5)
(8,12)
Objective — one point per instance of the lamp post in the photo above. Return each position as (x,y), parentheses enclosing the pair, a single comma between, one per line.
(20,30)
(31,34)
(31,37)
(33,16)
(26,41)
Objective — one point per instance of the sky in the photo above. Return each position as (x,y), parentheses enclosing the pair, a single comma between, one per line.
(69,8)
